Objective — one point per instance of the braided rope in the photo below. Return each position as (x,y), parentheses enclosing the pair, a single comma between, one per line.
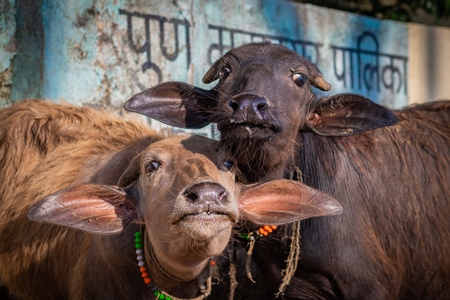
(294,251)
(292,260)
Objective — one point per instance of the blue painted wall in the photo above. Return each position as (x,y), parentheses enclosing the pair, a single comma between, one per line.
(7,49)
(103,52)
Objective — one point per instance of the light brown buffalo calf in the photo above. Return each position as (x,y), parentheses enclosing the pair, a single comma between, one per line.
(60,166)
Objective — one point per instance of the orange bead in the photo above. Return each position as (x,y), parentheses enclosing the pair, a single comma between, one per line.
(265,233)
(261,230)
(147,280)
(268,228)
(144,275)
(273,227)
(213,263)
(143,269)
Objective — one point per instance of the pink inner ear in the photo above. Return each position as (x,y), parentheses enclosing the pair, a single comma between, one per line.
(95,208)
(284,201)
(314,119)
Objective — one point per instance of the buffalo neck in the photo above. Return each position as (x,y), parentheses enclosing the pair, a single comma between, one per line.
(264,160)
(180,280)
(318,158)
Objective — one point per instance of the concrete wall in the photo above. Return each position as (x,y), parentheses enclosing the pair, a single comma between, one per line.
(7,49)
(102,52)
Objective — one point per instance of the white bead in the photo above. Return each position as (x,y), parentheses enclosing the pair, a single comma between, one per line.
(138,251)
(140,258)
(141,264)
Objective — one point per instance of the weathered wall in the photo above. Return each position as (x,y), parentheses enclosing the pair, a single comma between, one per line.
(7,49)
(102,52)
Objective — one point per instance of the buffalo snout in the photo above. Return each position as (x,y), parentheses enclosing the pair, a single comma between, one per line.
(206,201)
(248,108)
(206,193)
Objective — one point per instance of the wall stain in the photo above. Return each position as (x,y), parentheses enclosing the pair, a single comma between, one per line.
(5,87)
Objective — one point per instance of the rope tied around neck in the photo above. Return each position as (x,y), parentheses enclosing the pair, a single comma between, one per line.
(292,260)
(294,251)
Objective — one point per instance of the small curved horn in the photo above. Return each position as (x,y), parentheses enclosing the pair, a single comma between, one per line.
(320,83)
(316,78)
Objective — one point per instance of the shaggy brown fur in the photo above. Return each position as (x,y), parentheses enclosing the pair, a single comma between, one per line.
(392,241)
(42,149)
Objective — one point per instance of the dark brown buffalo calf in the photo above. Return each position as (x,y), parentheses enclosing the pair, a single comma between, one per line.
(178,194)
(393,239)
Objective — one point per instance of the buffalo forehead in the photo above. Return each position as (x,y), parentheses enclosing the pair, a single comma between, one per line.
(269,54)
(184,147)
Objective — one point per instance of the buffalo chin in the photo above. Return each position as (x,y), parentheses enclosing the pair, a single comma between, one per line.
(205,226)
(247,132)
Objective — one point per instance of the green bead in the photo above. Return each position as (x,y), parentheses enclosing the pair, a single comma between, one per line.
(137,234)
(168,298)
(244,236)
(162,296)
(156,293)
(138,240)
(138,246)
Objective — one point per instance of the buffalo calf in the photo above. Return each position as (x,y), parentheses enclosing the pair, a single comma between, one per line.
(390,171)
(101,187)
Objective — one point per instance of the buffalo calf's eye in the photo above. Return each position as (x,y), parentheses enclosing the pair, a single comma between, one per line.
(299,79)
(152,166)
(228,164)
(224,72)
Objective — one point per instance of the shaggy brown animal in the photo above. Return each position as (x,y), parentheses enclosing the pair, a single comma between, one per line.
(178,191)
(393,239)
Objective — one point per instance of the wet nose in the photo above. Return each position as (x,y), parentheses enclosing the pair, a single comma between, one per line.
(248,103)
(206,192)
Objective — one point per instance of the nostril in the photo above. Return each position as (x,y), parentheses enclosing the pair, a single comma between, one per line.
(234,105)
(191,196)
(261,106)
(206,193)
(222,195)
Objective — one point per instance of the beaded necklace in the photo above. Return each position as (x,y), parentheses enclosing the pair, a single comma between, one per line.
(159,294)
(260,232)
(251,238)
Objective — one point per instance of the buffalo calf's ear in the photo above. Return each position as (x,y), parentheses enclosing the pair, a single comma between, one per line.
(347,114)
(284,201)
(213,73)
(91,207)
(176,103)
(132,173)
